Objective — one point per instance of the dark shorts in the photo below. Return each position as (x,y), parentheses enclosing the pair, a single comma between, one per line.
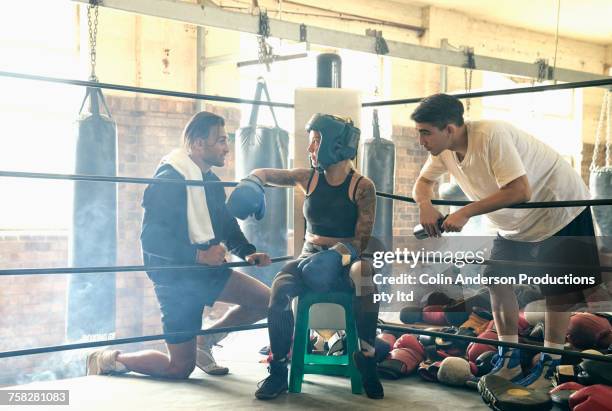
(182,296)
(575,244)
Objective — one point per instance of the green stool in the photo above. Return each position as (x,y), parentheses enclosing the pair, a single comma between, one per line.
(304,363)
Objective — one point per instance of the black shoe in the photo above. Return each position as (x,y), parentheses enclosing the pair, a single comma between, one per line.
(369,377)
(275,384)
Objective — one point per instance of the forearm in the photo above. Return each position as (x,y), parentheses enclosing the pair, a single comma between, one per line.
(276,177)
(501,199)
(422,192)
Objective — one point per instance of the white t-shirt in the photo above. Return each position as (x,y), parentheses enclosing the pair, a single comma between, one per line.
(499,153)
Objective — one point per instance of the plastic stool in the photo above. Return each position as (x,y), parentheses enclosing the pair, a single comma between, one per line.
(304,363)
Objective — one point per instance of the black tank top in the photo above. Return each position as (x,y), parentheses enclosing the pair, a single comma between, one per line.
(328,209)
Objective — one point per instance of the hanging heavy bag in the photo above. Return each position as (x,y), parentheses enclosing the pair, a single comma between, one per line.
(265,147)
(600,181)
(378,164)
(90,312)
(91,297)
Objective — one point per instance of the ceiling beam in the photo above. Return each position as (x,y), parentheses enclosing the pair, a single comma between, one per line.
(212,16)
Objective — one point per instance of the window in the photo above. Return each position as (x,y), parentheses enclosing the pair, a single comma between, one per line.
(37,118)
(554,116)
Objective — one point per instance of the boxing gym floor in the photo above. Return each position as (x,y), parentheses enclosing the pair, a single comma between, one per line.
(235,390)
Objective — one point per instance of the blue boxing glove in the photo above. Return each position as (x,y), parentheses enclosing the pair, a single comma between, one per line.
(248,198)
(321,271)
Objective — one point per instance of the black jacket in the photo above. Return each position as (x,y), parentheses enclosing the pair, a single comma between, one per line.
(164,227)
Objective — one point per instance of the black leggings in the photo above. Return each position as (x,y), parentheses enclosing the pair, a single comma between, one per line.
(289,284)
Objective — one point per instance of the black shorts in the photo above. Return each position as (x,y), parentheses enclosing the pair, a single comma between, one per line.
(574,244)
(182,296)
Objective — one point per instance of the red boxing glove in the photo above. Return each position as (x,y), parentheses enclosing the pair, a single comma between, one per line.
(384,344)
(586,330)
(434,314)
(474,350)
(523,325)
(399,363)
(592,398)
(410,341)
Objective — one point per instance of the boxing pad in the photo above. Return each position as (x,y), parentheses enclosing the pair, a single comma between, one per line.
(248,198)
(476,323)
(383,345)
(454,371)
(435,298)
(322,271)
(594,398)
(399,363)
(501,394)
(561,393)
(595,372)
(569,372)
(485,362)
(434,314)
(588,330)
(411,314)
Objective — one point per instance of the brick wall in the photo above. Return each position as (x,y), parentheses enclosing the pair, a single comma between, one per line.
(409,158)
(33,307)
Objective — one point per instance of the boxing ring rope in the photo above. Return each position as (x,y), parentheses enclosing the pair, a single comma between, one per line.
(103,343)
(143,90)
(535,204)
(140,180)
(131,268)
(208,97)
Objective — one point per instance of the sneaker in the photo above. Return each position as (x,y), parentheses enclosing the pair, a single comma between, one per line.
(204,358)
(275,384)
(206,362)
(369,376)
(103,362)
(541,376)
(507,364)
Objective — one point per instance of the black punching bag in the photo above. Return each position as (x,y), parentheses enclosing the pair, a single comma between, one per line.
(329,70)
(601,187)
(378,164)
(265,147)
(91,297)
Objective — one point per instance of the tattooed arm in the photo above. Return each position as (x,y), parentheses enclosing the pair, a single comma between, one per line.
(365,197)
(281,177)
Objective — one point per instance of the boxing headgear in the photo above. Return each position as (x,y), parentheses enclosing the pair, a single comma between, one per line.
(339,139)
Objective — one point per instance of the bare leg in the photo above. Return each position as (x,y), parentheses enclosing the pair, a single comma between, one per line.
(557,317)
(505,310)
(250,296)
(179,363)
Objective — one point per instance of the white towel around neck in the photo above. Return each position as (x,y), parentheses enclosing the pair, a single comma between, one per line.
(198,217)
